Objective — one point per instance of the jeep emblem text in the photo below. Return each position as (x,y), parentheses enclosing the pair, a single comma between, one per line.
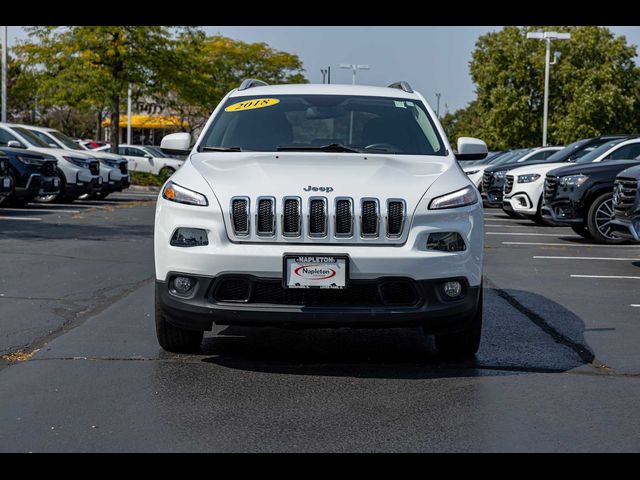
(318,189)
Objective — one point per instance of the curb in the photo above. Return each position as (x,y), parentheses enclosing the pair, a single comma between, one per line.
(143,188)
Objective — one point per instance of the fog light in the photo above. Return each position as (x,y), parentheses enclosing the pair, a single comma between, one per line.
(446,242)
(453,289)
(183,285)
(189,237)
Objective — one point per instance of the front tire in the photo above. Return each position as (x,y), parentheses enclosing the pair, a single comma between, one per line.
(464,344)
(599,220)
(174,339)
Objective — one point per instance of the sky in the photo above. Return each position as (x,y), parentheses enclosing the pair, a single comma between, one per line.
(432,59)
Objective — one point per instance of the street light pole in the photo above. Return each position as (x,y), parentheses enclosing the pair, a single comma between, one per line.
(129,115)
(5,45)
(547,37)
(354,68)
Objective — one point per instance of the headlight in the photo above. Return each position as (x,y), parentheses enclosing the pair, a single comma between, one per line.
(500,175)
(29,160)
(528,178)
(471,172)
(572,180)
(178,194)
(80,162)
(459,198)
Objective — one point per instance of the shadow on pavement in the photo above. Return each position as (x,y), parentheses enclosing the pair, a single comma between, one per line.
(516,340)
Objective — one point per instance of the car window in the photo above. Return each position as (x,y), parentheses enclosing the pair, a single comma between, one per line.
(133,152)
(361,123)
(573,150)
(627,152)
(6,137)
(536,156)
(596,153)
(30,137)
(44,137)
(66,141)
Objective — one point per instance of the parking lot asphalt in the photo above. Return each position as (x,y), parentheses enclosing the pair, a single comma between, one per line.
(558,368)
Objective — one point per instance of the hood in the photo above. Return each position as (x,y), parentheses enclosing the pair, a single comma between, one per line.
(57,152)
(633,172)
(612,166)
(105,156)
(539,168)
(511,166)
(475,168)
(292,173)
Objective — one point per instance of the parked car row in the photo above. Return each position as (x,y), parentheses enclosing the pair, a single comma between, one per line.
(587,185)
(44,165)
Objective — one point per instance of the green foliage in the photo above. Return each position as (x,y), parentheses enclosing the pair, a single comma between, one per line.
(594,87)
(465,122)
(146,179)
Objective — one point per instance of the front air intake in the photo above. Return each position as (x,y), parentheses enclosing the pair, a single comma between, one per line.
(291,225)
(370,218)
(395,217)
(344,217)
(318,217)
(266,219)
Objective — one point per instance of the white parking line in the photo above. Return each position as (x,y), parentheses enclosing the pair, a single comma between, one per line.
(543,244)
(557,235)
(634,305)
(588,258)
(622,277)
(34,219)
(498,219)
(513,226)
(39,210)
(81,205)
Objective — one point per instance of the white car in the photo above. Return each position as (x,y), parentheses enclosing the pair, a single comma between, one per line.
(320,206)
(524,186)
(148,159)
(475,171)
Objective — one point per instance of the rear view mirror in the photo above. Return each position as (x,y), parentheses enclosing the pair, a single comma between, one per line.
(470,148)
(176,144)
(15,144)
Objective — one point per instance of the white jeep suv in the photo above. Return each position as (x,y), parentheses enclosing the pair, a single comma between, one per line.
(320,206)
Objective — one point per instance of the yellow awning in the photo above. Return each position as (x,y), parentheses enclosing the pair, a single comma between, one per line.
(149,121)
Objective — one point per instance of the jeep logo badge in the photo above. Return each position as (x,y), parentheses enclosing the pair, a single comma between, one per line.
(318,189)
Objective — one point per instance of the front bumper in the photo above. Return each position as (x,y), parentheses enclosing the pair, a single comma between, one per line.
(94,185)
(628,228)
(6,186)
(40,185)
(432,311)
(492,198)
(520,202)
(563,212)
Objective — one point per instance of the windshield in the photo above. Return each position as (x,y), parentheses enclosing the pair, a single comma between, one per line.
(66,141)
(324,122)
(596,152)
(511,156)
(30,137)
(572,151)
(155,151)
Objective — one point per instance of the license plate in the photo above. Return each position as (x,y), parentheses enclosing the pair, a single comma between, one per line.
(7,182)
(316,271)
(55,182)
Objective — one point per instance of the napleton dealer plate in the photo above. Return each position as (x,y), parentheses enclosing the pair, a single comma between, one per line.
(315,271)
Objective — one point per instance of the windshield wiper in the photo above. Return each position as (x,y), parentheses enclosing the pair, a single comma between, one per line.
(333,147)
(220,149)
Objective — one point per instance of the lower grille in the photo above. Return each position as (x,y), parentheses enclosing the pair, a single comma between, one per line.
(123,168)
(624,195)
(550,187)
(509,185)
(48,169)
(94,168)
(364,294)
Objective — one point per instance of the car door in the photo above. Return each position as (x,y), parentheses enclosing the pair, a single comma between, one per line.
(129,154)
(140,159)
(626,152)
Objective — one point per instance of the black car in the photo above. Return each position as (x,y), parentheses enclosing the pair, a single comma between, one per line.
(494,176)
(626,204)
(581,196)
(32,174)
(6,182)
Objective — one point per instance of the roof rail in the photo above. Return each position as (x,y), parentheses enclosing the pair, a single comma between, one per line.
(250,83)
(402,86)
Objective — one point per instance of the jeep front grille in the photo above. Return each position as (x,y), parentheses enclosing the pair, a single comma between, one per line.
(370,218)
(266,218)
(240,215)
(624,195)
(341,218)
(318,217)
(509,185)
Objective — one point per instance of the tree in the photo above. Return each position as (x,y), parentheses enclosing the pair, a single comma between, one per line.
(464,122)
(594,87)
(209,67)
(94,65)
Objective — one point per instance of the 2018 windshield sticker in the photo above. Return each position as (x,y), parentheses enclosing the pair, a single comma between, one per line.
(252,104)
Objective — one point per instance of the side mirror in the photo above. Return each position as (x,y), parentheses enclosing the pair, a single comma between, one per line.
(471,149)
(15,144)
(148,156)
(53,145)
(176,143)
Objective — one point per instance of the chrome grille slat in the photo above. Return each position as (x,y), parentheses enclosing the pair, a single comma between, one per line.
(550,187)
(508,186)
(370,218)
(624,198)
(317,217)
(265,216)
(291,216)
